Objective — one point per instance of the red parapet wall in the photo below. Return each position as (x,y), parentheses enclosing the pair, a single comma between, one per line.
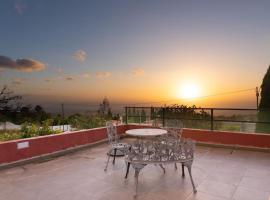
(229,138)
(223,137)
(37,146)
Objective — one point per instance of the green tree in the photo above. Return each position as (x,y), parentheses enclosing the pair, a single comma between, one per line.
(265,91)
(40,114)
(143,116)
(8,104)
(264,106)
(105,109)
(191,116)
(57,120)
(8,99)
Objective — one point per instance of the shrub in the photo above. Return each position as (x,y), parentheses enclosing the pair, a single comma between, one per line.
(86,122)
(6,135)
(29,130)
(45,128)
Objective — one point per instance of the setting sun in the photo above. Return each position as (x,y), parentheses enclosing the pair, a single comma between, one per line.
(188,91)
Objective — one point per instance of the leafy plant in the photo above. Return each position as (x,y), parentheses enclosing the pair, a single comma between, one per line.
(6,135)
(29,130)
(79,121)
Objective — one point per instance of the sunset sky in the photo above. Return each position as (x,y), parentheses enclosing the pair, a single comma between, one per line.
(134,51)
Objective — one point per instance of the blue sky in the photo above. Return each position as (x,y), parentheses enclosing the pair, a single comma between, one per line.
(132,50)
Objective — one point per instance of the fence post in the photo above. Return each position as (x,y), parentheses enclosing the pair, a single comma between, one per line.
(140,117)
(212,119)
(163,117)
(126,117)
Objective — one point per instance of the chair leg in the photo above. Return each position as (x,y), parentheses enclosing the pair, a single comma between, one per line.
(114,155)
(128,166)
(109,155)
(137,168)
(192,182)
(137,171)
(161,166)
(183,171)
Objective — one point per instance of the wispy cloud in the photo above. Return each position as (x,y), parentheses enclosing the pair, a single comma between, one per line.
(59,70)
(86,75)
(60,77)
(48,80)
(47,89)
(80,55)
(24,64)
(19,7)
(103,74)
(69,78)
(17,81)
(137,72)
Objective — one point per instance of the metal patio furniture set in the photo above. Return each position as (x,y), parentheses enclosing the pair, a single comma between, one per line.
(167,149)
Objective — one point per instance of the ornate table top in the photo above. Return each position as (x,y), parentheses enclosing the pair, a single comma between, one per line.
(146,132)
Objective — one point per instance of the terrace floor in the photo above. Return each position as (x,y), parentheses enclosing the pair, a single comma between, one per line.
(219,174)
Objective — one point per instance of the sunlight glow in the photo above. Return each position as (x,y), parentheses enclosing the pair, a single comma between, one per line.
(188,91)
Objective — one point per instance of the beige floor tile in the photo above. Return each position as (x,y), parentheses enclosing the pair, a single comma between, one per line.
(204,196)
(258,173)
(228,178)
(260,184)
(219,174)
(243,193)
(217,188)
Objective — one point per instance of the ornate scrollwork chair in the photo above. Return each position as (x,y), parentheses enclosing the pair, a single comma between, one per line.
(114,142)
(161,152)
(175,129)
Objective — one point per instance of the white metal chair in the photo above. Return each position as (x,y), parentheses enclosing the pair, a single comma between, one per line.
(114,142)
(160,152)
(175,129)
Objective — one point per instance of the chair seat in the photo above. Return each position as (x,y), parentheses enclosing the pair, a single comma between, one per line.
(116,148)
(120,146)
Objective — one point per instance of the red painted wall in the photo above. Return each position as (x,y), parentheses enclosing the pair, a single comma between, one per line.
(51,143)
(223,137)
(229,138)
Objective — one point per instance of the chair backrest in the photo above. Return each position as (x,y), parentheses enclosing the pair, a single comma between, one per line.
(174,123)
(188,148)
(174,128)
(162,151)
(156,123)
(112,133)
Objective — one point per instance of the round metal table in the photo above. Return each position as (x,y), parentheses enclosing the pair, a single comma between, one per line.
(146,132)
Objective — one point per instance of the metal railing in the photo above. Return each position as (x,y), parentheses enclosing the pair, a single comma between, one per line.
(225,119)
